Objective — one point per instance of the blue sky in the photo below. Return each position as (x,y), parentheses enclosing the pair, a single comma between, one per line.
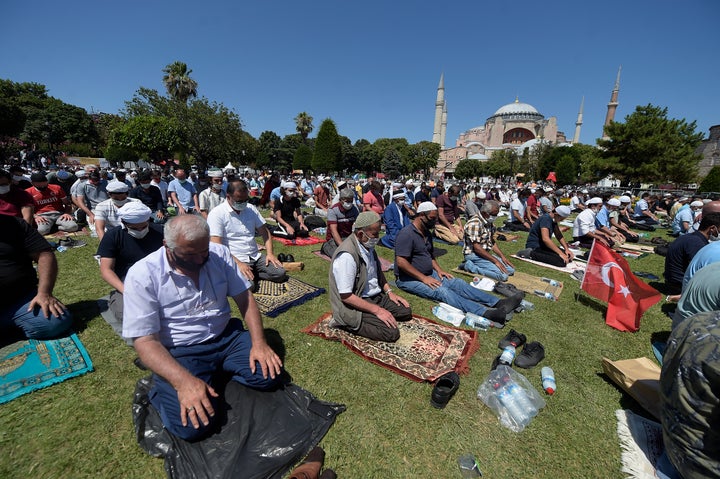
(373,66)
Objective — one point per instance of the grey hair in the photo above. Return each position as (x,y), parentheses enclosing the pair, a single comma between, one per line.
(190,227)
(489,205)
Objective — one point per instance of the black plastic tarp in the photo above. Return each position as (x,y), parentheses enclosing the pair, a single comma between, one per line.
(262,434)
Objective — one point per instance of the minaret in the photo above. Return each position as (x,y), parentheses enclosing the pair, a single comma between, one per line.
(578,123)
(612,106)
(439,104)
(443,127)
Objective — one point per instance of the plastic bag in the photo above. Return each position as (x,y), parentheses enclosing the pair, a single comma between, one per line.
(511,397)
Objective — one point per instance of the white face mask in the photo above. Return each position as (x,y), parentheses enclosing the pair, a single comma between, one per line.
(347,205)
(5,189)
(139,234)
(371,242)
(119,203)
(491,219)
(239,205)
(145,185)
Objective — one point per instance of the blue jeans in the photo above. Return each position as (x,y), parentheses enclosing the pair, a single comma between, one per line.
(228,352)
(34,324)
(477,265)
(454,292)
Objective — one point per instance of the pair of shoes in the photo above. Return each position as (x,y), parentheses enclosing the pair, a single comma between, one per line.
(530,356)
(310,467)
(444,389)
(509,304)
(71,243)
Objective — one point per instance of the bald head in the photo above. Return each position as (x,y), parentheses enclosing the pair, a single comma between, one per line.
(712,207)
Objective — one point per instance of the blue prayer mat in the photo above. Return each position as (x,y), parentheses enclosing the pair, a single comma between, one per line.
(33,364)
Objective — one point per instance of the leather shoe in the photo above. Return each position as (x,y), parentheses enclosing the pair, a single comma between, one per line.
(444,389)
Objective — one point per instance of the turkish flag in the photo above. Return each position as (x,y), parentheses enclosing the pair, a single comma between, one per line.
(551,177)
(608,278)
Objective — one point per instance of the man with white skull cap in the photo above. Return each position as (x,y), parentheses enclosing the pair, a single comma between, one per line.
(124,245)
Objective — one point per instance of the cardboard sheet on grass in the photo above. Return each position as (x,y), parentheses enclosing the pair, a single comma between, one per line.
(30,364)
(524,282)
(640,378)
(262,434)
(275,298)
(425,351)
(384,264)
(569,268)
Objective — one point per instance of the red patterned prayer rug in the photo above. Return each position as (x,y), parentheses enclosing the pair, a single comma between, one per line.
(425,351)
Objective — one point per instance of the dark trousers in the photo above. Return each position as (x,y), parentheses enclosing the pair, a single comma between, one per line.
(372,327)
(547,256)
(516,226)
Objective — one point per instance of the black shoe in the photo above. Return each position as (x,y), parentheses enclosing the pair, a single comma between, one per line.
(496,315)
(513,338)
(510,303)
(508,289)
(444,389)
(290,258)
(282,258)
(530,356)
(71,243)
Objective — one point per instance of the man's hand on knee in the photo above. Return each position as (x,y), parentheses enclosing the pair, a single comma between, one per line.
(195,405)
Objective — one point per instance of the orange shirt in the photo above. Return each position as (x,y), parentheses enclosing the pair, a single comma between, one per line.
(48,200)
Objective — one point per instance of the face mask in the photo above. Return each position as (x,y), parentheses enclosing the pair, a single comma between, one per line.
(4,189)
(119,203)
(347,205)
(371,242)
(139,234)
(182,182)
(145,186)
(217,186)
(239,205)
(18,178)
(290,194)
(188,265)
(429,224)
(491,219)
(399,202)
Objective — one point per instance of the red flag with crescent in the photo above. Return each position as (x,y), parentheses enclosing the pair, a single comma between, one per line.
(551,177)
(608,278)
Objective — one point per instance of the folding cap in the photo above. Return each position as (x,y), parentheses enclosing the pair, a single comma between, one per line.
(365,219)
(117,187)
(594,201)
(563,211)
(426,206)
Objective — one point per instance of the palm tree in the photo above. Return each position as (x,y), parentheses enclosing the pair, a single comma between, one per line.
(303,124)
(178,83)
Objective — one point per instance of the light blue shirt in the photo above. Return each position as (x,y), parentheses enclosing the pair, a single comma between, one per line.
(184,192)
(708,254)
(159,300)
(684,214)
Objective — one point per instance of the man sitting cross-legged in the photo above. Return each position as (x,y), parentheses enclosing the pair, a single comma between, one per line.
(234,223)
(418,272)
(178,315)
(362,301)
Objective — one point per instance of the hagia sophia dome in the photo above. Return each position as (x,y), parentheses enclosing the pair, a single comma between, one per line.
(517,111)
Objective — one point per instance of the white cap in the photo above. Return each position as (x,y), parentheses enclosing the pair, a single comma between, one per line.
(117,187)
(625,199)
(613,202)
(584,192)
(409,182)
(594,201)
(81,174)
(288,184)
(426,206)
(696,204)
(399,194)
(563,211)
(134,212)
(215,173)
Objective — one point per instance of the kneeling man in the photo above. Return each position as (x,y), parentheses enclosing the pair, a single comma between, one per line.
(178,315)
(361,299)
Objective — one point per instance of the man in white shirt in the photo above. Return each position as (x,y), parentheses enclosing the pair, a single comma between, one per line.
(584,228)
(234,223)
(211,197)
(177,313)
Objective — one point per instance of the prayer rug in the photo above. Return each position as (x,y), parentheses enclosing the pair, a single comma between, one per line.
(425,351)
(299,241)
(641,443)
(31,364)
(526,282)
(385,265)
(569,268)
(275,298)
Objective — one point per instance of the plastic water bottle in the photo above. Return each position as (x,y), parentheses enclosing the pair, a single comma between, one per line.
(61,249)
(545,295)
(526,306)
(507,355)
(514,410)
(448,316)
(552,282)
(93,232)
(548,380)
(520,397)
(478,322)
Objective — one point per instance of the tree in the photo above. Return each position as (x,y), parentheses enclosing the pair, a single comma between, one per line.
(469,169)
(422,156)
(500,163)
(178,83)
(328,151)
(392,164)
(650,147)
(711,183)
(303,158)
(269,143)
(566,170)
(154,137)
(303,124)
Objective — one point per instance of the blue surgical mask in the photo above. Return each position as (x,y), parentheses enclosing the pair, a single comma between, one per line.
(239,205)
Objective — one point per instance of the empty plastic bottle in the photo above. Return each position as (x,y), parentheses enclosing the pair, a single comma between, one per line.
(448,316)
(513,408)
(545,295)
(507,355)
(526,305)
(478,322)
(552,282)
(61,249)
(548,380)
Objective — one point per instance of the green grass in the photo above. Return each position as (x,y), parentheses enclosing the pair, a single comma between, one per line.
(83,427)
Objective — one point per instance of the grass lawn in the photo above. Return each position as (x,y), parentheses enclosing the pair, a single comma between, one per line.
(83,427)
